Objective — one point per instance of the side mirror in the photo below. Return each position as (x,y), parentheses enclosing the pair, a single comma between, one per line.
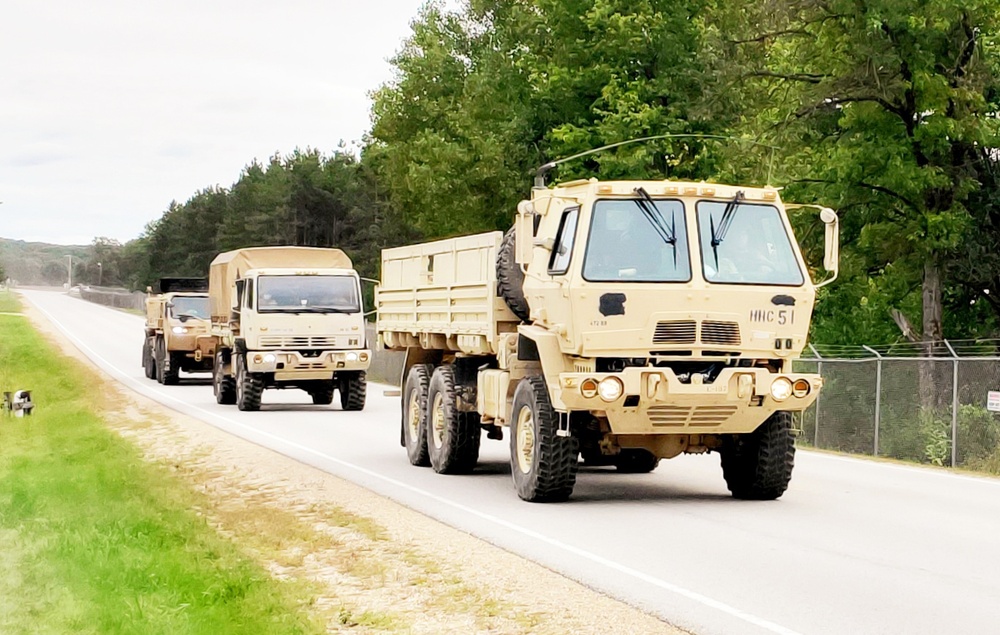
(524,232)
(831,248)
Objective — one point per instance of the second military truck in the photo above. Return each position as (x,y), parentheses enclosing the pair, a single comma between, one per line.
(177,330)
(288,317)
(623,322)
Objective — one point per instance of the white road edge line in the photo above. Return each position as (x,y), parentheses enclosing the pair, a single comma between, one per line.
(592,557)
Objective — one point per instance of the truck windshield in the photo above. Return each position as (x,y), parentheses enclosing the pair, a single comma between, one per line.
(757,248)
(639,240)
(192,307)
(307,294)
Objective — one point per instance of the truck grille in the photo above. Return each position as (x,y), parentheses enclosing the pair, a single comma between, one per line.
(686,332)
(299,342)
(680,416)
(675,332)
(727,333)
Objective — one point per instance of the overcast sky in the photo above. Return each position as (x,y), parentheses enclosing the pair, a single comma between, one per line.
(110,109)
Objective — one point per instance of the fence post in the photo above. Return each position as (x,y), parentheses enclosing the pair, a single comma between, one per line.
(819,371)
(878,391)
(954,403)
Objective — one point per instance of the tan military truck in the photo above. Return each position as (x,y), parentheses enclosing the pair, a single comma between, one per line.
(177,330)
(288,317)
(624,322)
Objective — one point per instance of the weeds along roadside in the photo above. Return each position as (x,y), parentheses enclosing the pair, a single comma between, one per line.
(94,539)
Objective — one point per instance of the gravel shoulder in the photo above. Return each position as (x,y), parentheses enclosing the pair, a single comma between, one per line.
(373,565)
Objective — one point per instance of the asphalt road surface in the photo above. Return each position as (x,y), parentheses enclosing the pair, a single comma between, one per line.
(854,546)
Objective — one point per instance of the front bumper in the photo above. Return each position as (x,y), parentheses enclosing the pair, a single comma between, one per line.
(654,401)
(290,365)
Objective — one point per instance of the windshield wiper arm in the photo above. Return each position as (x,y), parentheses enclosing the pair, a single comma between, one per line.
(719,233)
(334,309)
(655,218)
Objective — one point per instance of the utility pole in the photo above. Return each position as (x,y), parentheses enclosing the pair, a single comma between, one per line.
(69,271)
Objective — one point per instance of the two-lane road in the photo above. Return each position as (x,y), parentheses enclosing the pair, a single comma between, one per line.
(854,546)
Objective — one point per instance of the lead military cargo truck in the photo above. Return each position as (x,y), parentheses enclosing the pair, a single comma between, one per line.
(177,330)
(288,317)
(625,321)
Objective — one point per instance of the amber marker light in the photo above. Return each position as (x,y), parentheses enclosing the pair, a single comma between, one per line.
(800,388)
(588,388)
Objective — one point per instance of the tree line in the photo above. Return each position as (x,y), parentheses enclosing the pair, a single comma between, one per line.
(885,110)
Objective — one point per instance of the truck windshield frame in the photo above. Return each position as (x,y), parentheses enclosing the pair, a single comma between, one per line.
(758,249)
(308,294)
(624,246)
(190,306)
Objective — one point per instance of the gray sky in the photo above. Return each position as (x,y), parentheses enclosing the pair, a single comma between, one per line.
(110,109)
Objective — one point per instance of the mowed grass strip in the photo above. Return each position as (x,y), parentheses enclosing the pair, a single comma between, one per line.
(95,540)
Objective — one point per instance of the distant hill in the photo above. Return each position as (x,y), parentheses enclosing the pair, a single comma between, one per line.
(39,263)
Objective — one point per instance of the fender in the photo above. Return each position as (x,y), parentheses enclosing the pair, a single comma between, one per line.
(547,351)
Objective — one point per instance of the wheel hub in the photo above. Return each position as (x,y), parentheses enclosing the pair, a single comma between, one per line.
(438,423)
(413,415)
(525,440)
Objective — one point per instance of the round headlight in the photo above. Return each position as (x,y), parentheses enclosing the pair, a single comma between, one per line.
(270,358)
(781,389)
(800,388)
(179,329)
(588,388)
(352,357)
(610,388)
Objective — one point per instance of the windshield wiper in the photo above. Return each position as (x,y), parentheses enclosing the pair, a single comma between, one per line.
(652,214)
(334,309)
(719,233)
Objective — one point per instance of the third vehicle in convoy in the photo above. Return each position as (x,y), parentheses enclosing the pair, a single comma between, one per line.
(288,317)
(623,321)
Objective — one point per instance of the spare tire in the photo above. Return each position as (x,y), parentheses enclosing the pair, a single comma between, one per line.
(510,278)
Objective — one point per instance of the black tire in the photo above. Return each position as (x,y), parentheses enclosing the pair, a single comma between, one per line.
(159,357)
(636,461)
(510,278)
(758,466)
(171,375)
(148,363)
(413,420)
(452,435)
(544,464)
(224,386)
(322,395)
(353,389)
(249,387)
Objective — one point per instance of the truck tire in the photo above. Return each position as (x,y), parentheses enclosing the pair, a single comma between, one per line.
(159,355)
(543,464)
(758,466)
(322,393)
(224,386)
(636,461)
(171,376)
(414,415)
(249,387)
(452,435)
(148,363)
(353,387)
(510,278)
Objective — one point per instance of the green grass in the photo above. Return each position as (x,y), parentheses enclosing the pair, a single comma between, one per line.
(8,302)
(95,540)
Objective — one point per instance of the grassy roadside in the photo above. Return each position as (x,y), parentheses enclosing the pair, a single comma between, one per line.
(95,540)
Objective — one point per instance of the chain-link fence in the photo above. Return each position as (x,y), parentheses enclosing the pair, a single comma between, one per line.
(924,402)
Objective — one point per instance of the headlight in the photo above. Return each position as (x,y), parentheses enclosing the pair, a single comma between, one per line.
(352,357)
(588,388)
(179,329)
(610,388)
(270,358)
(781,389)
